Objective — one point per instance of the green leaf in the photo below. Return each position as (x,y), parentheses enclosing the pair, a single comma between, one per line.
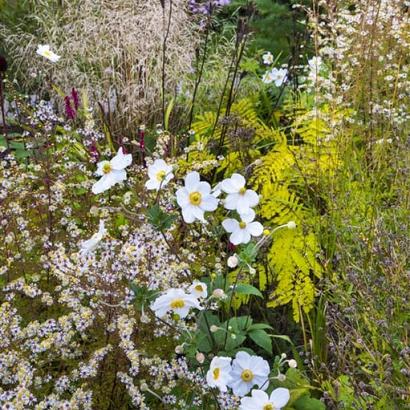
(246,289)
(159,219)
(262,339)
(308,403)
(259,326)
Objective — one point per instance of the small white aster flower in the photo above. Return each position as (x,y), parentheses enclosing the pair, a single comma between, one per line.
(267,58)
(111,172)
(239,198)
(242,231)
(248,371)
(195,198)
(159,175)
(261,401)
(219,373)
(198,289)
(176,301)
(44,51)
(90,244)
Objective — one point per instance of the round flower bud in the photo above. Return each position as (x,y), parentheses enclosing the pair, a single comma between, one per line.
(200,357)
(293,363)
(283,355)
(281,377)
(179,349)
(218,293)
(214,328)
(291,225)
(233,261)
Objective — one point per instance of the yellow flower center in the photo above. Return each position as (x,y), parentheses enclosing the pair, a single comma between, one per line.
(160,175)
(268,407)
(242,225)
(242,190)
(47,53)
(107,168)
(247,375)
(199,288)
(177,304)
(216,373)
(195,198)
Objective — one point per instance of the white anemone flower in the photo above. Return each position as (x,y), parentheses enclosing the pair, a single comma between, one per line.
(239,198)
(199,289)
(176,301)
(267,78)
(242,231)
(267,58)
(219,373)
(159,175)
(195,198)
(111,172)
(279,76)
(44,51)
(261,401)
(248,371)
(90,244)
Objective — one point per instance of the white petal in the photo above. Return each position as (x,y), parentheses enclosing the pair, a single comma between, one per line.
(191,181)
(239,236)
(182,197)
(261,396)
(204,188)
(255,228)
(249,216)
(230,225)
(118,175)
(231,201)
(209,203)
(104,183)
(252,197)
(238,181)
(280,397)
(199,213)
(121,161)
(242,205)
(152,184)
(243,359)
(188,215)
(228,186)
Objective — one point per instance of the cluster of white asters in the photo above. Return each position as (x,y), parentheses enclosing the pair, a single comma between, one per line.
(195,198)
(241,376)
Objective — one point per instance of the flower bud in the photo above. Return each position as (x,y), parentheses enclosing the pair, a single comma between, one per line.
(291,225)
(281,377)
(214,328)
(283,356)
(218,293)
(293,363)
(233,261)
(179,349)
(200,357)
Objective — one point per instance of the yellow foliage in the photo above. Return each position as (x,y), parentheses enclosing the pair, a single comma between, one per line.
(292,257)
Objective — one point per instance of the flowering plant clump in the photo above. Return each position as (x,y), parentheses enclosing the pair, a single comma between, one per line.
(191,222)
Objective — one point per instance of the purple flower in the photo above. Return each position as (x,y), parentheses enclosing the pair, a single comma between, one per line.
(76,100)
(69,111)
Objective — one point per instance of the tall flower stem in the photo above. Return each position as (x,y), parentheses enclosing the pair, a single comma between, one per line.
(201,70)
(164,52)
(3,115)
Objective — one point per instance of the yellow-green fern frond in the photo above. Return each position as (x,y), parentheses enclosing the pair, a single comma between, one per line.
(293,258)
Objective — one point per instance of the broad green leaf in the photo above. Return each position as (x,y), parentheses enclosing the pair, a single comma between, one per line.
(246,289)
(262,339)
